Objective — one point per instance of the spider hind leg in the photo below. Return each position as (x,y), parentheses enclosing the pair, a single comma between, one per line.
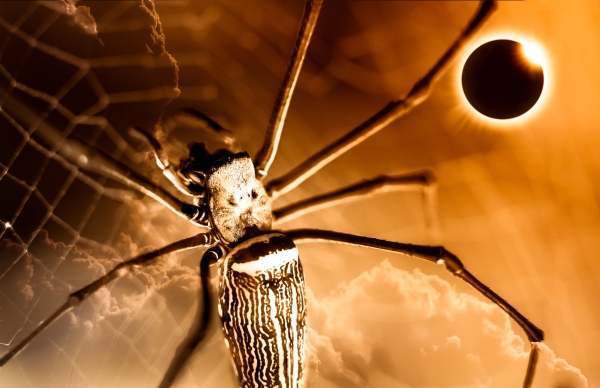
(437,255)
(202,239)
(197,332)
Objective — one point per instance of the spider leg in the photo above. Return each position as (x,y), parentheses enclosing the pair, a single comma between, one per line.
(119,270)
(162,161)
(416,181)
(224,134)
(391,112)
(433,254)
(533,358)
(198,330)
(92,159)
(266,155)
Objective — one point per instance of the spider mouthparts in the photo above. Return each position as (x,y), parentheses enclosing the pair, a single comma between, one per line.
(249,232)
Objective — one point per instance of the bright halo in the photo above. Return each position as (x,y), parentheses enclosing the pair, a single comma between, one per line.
(533,53)
(464,108)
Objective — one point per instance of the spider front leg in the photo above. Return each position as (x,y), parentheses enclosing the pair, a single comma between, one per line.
(388,114)
(202,239)
(162,160)
(423,181)
(223,134)
(266,154)
(92,159)
(438,255)
(184,184)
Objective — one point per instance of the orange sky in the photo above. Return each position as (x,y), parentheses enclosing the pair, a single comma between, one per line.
(517,201)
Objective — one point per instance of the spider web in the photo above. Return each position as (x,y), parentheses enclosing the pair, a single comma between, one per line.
(62,227)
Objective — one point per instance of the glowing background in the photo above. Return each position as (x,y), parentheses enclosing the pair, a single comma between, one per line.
(518,200)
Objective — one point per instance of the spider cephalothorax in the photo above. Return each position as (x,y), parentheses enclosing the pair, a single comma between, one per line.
(237,200)
(226,187)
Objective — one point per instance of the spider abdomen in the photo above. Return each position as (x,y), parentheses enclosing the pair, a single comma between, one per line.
(262,308)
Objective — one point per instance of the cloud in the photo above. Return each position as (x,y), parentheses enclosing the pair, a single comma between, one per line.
(81,16)
(16,271)
(165,278)
(324,359)
(390,327)
(116,328)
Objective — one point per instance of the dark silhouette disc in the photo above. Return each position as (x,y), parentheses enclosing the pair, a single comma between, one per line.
(500,82)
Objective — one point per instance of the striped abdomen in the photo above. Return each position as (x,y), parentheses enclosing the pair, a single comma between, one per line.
(262,309)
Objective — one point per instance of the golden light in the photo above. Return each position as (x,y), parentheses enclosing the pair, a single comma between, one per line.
(533,53)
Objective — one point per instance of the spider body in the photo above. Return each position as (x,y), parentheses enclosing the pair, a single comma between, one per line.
(261,283)
(262,309)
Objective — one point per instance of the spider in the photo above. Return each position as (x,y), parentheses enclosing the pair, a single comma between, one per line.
(261,283)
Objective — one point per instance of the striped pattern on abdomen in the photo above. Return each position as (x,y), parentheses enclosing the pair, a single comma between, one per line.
(262,309)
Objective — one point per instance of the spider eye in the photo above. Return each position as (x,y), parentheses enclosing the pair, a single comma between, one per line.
(254,194)
(231,201)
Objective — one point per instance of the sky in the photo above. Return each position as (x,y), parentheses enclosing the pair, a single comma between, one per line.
(516,200)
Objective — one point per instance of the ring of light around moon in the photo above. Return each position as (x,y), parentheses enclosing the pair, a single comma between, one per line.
(503,79)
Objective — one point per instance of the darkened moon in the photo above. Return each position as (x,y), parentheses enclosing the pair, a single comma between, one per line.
(502,80)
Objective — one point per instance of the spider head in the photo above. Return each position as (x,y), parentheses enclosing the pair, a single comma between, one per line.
(237,200)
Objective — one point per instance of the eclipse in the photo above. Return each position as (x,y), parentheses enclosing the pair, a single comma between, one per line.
(503,79)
